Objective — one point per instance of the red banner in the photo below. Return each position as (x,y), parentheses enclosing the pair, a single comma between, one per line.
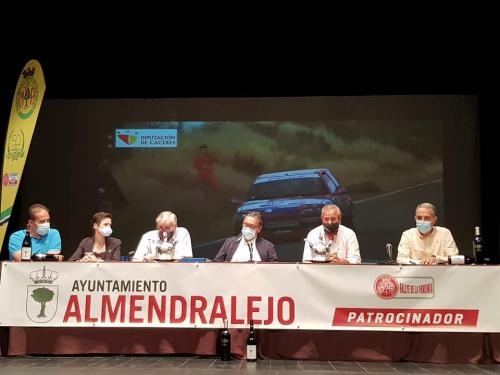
(363,317)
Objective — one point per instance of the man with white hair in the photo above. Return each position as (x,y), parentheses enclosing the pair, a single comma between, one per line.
(167,242)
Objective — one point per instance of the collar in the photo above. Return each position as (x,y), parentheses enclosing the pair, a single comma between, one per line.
(430,234)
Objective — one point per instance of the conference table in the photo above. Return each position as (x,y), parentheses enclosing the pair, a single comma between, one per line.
(367,312)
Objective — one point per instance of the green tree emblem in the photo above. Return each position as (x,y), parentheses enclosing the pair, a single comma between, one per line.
(42,296)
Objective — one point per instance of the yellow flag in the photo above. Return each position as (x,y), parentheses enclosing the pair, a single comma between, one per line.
(23,115)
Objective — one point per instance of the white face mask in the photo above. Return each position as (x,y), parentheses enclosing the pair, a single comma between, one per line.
(248,234)
(43,229)
(424,226)
(106,231)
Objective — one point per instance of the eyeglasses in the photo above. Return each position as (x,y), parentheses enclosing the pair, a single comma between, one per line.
(251,226)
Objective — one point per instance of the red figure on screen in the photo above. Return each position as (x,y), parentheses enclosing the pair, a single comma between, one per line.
(204,164)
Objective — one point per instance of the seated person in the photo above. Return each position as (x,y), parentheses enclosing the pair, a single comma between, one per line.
(248,246)
(167,242)
(426,243)
(100,247)
(331,241)
(44,240)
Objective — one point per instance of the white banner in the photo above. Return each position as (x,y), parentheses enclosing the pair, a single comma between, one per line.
(275,296)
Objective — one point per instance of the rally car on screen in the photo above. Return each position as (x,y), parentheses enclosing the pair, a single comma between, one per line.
(290,201)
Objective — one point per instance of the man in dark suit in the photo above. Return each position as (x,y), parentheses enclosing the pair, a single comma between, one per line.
(248,246)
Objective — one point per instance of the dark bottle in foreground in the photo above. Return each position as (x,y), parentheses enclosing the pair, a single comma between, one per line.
(26,247)
(225,343)
(251,344)
(477,246)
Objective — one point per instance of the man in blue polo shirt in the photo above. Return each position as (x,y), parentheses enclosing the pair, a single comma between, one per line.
(43,238)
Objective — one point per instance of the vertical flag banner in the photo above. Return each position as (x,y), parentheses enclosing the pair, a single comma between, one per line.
(23,115)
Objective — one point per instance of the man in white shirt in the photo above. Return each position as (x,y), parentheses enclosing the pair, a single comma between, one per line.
(331,241)
(426,243)
(167,242)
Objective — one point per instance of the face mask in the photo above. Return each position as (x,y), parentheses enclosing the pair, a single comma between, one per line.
(43,229)
(167,236)
(424,226)
(106,231)
(248,233)
(331,227)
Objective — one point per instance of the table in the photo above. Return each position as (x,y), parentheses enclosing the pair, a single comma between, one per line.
(435,314)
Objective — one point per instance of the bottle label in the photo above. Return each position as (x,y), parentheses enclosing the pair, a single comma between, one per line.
(251,352)
(26,253)
(224,341)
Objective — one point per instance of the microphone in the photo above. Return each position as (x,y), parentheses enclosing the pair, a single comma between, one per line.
(250,247)
(388,249)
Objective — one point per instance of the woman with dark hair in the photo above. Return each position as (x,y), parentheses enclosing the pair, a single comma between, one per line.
(100,247)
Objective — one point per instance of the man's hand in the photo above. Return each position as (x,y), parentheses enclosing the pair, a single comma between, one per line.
(340,261)
(332,258)
(336,260)
(431,260)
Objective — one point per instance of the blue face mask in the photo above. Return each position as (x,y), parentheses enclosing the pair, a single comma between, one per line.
(423,226)
(43,229)
(106,231)
(248,234)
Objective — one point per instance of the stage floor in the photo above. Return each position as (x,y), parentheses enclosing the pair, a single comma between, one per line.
(124,365)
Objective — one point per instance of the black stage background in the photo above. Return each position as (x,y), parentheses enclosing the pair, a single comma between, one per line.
(84,72)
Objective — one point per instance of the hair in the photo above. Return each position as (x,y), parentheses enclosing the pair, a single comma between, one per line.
(100,216)
(329,207)
(34,209)
(166,216)
(256,215)
(428,205)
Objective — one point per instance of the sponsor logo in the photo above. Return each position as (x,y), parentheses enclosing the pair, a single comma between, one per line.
(15,145)
(10,179)
(438,318)
(146,138)
(27,94)
(388,287)
(42,297)
(128,139)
